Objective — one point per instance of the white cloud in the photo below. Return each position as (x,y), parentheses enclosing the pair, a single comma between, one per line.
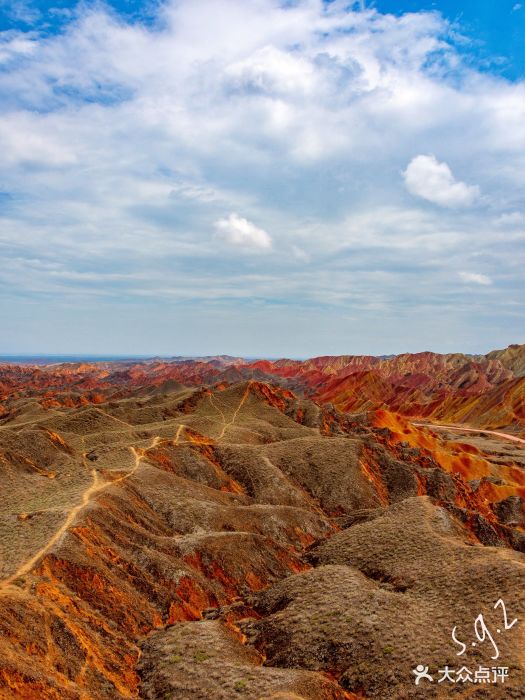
(515,218)
(240,232)
(273,71)
(475,278)
(122,143)
(426,177)
(21,11)
(25,138)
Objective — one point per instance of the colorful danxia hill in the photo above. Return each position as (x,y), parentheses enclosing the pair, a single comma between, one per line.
(226,528)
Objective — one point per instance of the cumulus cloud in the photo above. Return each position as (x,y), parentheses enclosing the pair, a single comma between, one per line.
(272,71)
(429,179)
(475,278)
(238,231)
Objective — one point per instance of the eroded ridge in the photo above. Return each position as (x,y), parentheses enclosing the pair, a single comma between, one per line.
(236,540)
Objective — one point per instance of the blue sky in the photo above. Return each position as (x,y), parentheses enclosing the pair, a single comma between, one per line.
(261,178)
(495,29)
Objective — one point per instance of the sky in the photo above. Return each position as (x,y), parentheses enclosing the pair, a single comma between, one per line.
(261,178)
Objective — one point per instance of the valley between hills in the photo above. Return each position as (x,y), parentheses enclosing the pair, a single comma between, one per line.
(222,528)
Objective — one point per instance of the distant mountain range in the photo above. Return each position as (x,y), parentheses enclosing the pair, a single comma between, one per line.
(485,391)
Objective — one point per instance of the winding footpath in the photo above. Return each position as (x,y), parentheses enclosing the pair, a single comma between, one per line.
(461,429)
(95,487)
(228,424)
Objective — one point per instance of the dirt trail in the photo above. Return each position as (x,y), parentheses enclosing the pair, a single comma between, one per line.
(28,565)
(177,434)
(216,407)
(227,424)
(506,436)
(95,487)
(119,420)
(235,413)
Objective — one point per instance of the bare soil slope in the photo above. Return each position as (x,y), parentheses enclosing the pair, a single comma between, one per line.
(238,541)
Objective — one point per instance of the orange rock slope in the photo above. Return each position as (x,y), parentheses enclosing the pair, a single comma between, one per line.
(153,543)
(486,391)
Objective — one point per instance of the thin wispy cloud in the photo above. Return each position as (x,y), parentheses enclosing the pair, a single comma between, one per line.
(476,278)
